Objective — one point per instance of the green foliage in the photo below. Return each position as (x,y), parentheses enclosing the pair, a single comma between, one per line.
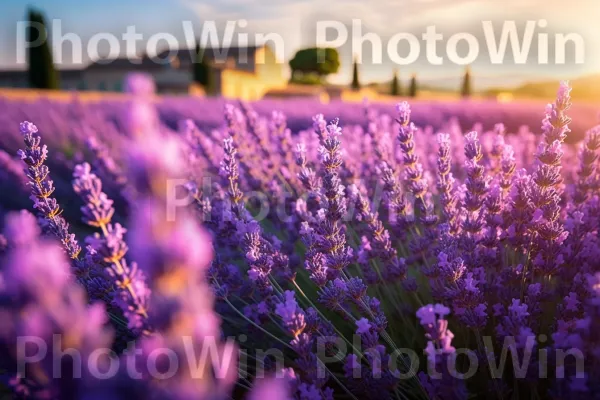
(355,81)
(466,89)
(413,89)
(42,74)
(318,61)
(203,73)
(396,90)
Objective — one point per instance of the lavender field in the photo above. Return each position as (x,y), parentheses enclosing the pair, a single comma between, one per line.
(212,249)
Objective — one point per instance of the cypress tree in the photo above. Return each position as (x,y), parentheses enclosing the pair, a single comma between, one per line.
(396,90)
(42,74)
(202,71)
(466,89)
(355,82)
(412,91)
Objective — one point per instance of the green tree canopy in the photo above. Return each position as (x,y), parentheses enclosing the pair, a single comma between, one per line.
(42,74)
(317,61)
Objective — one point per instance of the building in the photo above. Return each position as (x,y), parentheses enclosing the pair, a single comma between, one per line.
(239,72)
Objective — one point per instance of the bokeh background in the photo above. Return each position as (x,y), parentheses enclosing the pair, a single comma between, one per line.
(295,22)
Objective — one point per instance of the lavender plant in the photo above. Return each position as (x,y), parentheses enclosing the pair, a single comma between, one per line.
(109,248)
(383,259)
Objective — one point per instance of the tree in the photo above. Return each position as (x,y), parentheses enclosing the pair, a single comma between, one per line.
(412,91)
(466,89)
(203,73)
(318,62)
(355,82)
(396,90)
(42,74)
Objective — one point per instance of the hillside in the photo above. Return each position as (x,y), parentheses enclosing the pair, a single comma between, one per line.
(584,89)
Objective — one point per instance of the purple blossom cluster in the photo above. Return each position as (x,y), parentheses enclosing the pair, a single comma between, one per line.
(385,258)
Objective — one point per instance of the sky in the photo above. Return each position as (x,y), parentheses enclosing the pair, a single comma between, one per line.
(295,22)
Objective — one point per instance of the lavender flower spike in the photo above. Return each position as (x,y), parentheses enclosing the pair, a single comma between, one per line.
(439,349)
(132,293)
(414,180)
(445,183)
(34,156)
(331,228)
(546,193)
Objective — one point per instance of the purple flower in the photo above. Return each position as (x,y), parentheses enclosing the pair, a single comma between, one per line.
(139,84)
(546,193)
(169,251)
(439,349)
(489,225)
(42,188)
(362,326)
(270,389)
(29,308)
(403,110)
(21,228)
(98,210)
(131,293)
(290,313)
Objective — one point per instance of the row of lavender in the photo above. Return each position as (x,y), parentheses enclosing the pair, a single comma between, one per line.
(344,252)
(66,122)
(67,125)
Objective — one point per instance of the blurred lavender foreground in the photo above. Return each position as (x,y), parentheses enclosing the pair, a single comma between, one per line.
(373,256)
